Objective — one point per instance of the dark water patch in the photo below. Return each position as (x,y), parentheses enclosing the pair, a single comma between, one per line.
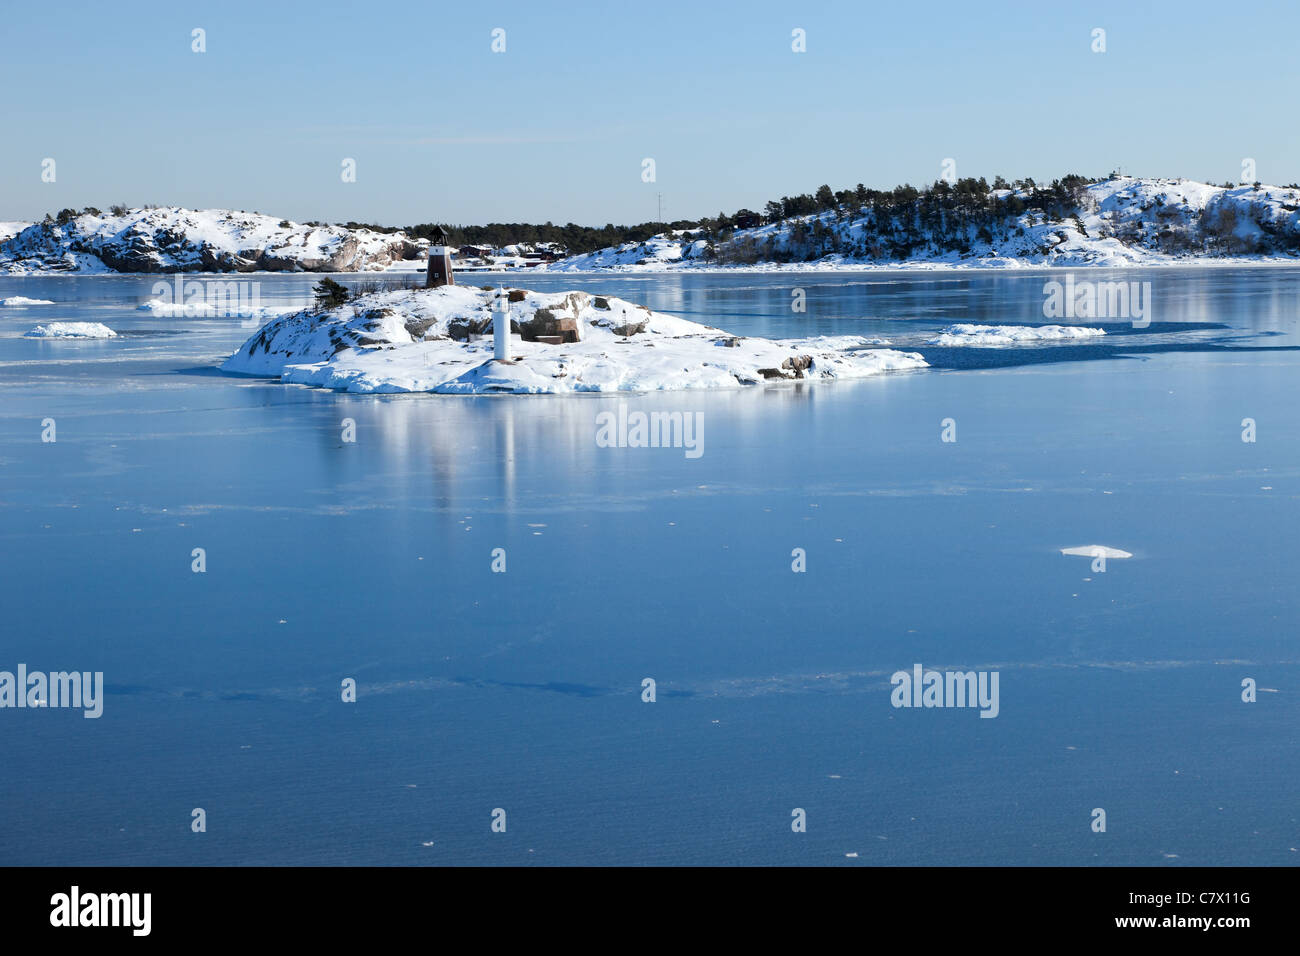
(215,371)
(987,357)
(1205,347)
(558,687)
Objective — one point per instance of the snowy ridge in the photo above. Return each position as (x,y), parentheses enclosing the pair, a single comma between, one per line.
(187,240)
(440,340)
(1116,222)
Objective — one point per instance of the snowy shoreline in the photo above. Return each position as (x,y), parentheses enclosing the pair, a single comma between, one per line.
(811,268)
(1118,222)
(891,267)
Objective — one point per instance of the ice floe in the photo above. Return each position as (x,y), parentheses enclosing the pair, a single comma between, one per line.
(72,330)
(967,334)
(203,309)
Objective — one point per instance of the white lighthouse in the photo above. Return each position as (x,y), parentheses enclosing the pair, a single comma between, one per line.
(501,326)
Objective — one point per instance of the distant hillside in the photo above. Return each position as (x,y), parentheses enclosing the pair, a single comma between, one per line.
(186,240)
(1074,221)
(1114,222)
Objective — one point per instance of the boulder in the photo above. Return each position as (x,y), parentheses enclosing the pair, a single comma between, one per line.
(416,328)
(343,260)
(630,328)
(461,329)
(546,325)
(793,367)
(139,254)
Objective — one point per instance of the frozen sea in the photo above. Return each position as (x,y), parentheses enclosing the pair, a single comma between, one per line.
(522,690)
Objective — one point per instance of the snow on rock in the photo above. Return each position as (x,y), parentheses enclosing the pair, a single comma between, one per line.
(72,330)
(655,254)
(966,334)
(440,340)
(10,229)
(23,300)
(187,240)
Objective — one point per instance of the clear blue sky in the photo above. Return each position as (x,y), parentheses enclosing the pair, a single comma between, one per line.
(556,127)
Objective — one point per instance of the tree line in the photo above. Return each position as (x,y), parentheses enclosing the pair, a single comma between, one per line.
(892,224)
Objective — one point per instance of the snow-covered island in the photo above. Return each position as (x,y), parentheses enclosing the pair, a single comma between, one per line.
(440,340)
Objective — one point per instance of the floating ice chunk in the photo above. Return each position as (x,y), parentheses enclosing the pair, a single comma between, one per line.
(967,334)
(1096,551)
(212,310)
(164,307)
(72,330)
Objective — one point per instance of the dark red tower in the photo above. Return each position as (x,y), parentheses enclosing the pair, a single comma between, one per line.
(439,261)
